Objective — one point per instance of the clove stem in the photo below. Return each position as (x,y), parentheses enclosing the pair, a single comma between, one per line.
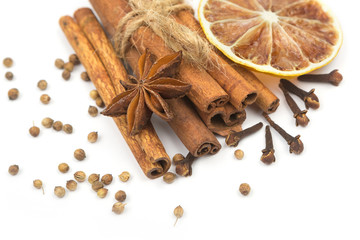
(334,77)
(234,138)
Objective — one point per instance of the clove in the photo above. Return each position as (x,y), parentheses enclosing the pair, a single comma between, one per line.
(268,156)
(310,98)
(334,77)
(300,116)
(183,165)
(296,145)
(234,138)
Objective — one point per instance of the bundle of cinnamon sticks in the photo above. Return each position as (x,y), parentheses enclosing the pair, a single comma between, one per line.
(215,104)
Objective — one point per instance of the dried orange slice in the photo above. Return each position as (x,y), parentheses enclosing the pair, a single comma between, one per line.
(280,37)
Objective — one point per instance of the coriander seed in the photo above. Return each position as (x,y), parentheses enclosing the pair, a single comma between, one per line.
(59,63)
(124,176)
(47,122)
(93,177)
(57,126)
(118,207)
(93,111)
(42,84)
(45,99)
(67,128)
(9,76)
(66,75)
(107,179)
(69,66)
(59,191)
(92,137)
(102,192)
(169,177)
(178,212)
(8,62)
(178,157)
(80,176)
(244,189)
(38,184)
(120,196)
(71,185)
(13,94)
(79,154)
(239,154)
(73,58)
(85,76)
(97,185)
(34,131)
(63,167)
(13,170)
(99,102)
(94,94)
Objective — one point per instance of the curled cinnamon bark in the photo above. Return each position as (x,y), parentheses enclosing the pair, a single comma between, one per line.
(147,149)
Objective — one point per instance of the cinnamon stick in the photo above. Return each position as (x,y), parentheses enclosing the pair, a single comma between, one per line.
(205,93)
(150,154)
(187,125)
(224,119)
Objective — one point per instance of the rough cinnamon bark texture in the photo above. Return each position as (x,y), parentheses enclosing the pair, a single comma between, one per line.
(205,93)
(224,119)
(187,125)
(240,91)
(151,156)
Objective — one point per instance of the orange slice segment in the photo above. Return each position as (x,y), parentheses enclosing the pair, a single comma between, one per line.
(280,37)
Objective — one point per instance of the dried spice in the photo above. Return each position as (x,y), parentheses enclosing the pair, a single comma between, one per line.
(80,176)
(38,185)
(234,138)
(9,76)
(118,207)
(47,122)
(102,192)
(92,137)
(184,165)
(57,126)
(146,94)
(94,94)
(34,131)
(84,76)
(268,156)
(69,66)
(244,189)
(300,116)
(107,179)
(169,177)
(71,185)
(239,154)
(79,154)
(124,176)
(310,98)
(66,74)
(59,191)
(73,58)
(63,167)
(99,102)
(8,62)
(97,185)
(93,111)
(178,212)
(59,63)
(45,99)
(42,84)
(296,145)
(13,94)
(13,170)
(334,77)
(93,177)
(67,128)
(120,196)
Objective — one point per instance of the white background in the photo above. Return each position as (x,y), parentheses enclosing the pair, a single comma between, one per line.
(311,196)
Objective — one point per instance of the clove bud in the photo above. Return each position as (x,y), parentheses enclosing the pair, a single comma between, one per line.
(334,77)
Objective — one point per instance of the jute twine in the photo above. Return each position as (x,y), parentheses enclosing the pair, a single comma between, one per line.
(156,15)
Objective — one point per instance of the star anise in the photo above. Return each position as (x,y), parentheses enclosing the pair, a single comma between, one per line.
(146,94)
